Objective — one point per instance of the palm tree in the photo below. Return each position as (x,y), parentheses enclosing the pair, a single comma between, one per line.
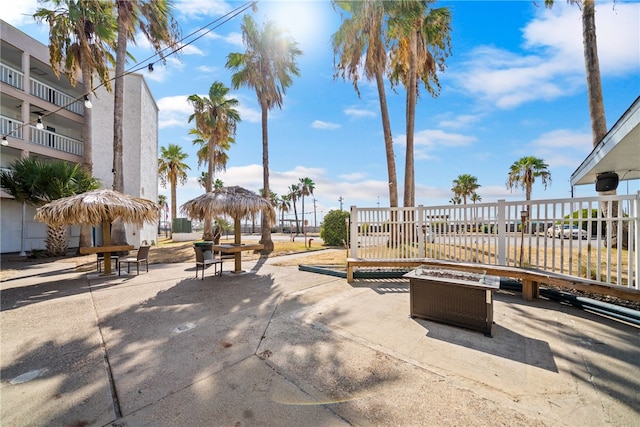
(216,119)
(267,65)
(37,182)
(362,36)
(82,36)
(592,66)
(523,173)
(455,200)
(294,193)
(153,19)
(420,44)
(284,204)
(162,202)
(172,168)
(306,186)
(594,92)
(465,185)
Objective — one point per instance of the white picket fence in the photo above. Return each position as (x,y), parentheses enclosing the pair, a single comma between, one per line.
(493,233)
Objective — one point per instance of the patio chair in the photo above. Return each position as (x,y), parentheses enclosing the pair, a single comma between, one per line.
(205,259)
(100,259)
(142,257)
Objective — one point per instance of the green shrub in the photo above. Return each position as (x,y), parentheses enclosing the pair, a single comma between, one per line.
(333,230)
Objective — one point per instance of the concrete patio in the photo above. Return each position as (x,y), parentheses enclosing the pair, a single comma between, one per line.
(277,346)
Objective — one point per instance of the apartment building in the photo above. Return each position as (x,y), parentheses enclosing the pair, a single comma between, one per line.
(29,91)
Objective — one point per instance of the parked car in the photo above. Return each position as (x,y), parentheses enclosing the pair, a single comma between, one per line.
(566,231)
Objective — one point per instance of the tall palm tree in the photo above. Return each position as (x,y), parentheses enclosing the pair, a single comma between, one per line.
(523,174)
(162,202)
(82,35)
(361,35)
(420,40)
(306,186)
(216,119)
(36,182)
(594,94)
(154,20)
(284,204)
(465,185)
(172,168)
(267,66)
(294,193)
(592,67)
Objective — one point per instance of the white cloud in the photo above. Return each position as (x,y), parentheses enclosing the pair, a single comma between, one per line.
(432,138)
(356,176)
(174,111)
(319,124)
(206,69)
(460,121)
(18,13)
(201,8)
(552,62)
(358,112)
(562,148)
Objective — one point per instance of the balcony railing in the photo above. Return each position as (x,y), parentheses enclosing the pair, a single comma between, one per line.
(56,97)
(11,127)
(56,141)
(11,76)
(582,245)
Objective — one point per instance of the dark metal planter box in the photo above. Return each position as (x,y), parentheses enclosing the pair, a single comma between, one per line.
(459,299)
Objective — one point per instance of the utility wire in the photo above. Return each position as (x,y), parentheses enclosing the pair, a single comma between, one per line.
(137,67)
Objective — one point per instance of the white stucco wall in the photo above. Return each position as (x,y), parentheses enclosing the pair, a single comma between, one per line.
(139,144)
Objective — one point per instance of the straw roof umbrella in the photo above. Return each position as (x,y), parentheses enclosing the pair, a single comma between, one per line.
(237,202)
(99,207)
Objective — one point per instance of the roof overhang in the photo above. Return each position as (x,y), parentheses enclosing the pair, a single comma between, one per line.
(618,151)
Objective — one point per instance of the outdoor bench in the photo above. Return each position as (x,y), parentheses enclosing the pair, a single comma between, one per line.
(531,278)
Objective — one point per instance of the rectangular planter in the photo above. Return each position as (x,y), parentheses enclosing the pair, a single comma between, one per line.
(455,298)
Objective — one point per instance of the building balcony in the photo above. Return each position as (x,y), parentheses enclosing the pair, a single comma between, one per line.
(11,76)
(9,126)
(56,141)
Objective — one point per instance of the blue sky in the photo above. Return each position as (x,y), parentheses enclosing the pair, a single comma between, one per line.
(514,86)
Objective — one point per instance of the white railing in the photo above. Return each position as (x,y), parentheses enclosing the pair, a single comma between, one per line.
(10,127)
(56,97)
(493,233)
(11,76)
(56,141)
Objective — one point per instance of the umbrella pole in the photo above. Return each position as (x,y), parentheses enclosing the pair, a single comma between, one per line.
(106,241)
(237,257)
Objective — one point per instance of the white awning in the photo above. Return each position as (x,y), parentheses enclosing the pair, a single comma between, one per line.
(618,151)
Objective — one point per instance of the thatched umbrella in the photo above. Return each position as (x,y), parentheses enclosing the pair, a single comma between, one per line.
(236,202)
(99,207)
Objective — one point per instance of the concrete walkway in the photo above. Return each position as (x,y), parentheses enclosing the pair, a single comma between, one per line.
(276,346)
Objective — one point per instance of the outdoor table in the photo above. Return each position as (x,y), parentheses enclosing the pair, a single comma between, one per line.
(236,250)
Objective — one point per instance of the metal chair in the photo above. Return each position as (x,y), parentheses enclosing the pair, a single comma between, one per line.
(142,257)
(205,261)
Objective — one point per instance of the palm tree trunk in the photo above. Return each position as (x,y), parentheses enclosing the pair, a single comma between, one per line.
(118,232)
(266,229)
(87,149)
(596,100)
(208,222)
(388,142)
(303,214)
(592,66)
(409,178)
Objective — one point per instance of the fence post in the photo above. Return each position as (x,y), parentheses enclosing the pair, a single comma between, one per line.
(353,233)
(634,210)
(421,231)
(501,212)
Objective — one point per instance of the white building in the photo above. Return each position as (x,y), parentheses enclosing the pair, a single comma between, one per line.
(28,89)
